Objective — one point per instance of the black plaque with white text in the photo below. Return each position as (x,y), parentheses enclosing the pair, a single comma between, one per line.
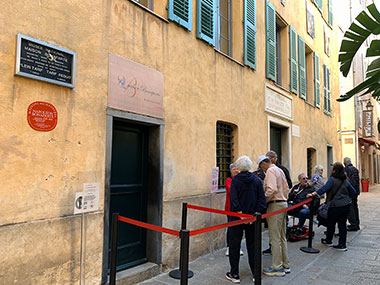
(42,61)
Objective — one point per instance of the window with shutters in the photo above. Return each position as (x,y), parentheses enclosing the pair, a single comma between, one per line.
(180,11)
(224,28)
(224,150)
(317,91)
(309,67)
(281,46)
(326,90)
(147,3)
(270,20)
(206,21)
(250,33)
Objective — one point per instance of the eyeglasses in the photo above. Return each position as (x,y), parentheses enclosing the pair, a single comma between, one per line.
(304,178)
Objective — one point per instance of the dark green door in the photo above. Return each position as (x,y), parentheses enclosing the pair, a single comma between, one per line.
(129,190)
(275,141)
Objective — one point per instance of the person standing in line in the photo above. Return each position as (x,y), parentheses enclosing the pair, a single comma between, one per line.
(234,171)
(276,193)
(339,193)
(353,176)
(317,182)
(247,196)
(273,158)
(317,179)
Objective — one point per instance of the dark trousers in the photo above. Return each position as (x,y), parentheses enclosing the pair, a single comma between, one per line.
(229,219)
(337,215)
(236,235)
(353,215)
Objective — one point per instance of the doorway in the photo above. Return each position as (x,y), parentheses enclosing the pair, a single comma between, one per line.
(275,141)
(129,176)
(330,160)
(133,187)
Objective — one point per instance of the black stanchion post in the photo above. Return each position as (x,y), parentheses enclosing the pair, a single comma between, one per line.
(185,242)
(309,248)
(113,256)
(257,256)
(176,273)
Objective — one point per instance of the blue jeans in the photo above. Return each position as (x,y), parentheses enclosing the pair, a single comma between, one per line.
(302,216)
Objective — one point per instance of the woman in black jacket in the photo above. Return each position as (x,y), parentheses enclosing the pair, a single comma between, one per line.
(339,193)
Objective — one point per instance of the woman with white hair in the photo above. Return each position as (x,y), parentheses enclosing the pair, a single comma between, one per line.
(246,196)
(317,182)
(317,179)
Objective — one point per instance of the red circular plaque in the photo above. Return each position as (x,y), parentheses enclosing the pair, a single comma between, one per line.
(42,116)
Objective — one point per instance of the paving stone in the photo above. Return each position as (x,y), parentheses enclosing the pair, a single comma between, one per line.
(360,265)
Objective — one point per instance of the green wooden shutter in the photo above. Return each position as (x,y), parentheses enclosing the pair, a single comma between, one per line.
(328,90)
(325,102)
(206,20)
(330,12)
(318,3)
(302,67)
(180,11)
(317,94)
(271,41)
(250,33)
(293,60)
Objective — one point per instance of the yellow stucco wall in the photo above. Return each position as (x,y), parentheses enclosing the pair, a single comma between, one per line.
(41,171)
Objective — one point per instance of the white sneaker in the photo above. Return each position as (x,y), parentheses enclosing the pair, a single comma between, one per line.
(227,252)
(241,252)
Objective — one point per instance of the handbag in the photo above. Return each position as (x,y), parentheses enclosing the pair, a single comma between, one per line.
(324,208)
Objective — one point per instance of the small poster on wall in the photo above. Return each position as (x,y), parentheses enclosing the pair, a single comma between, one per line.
(214,179)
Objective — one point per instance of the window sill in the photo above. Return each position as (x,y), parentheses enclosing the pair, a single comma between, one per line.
(327,113)
(149,11)
(310,104)
(221,190)
(227,56)
(282,88)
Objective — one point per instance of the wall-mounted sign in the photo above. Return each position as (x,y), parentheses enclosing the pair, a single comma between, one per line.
(367,124)
(42,116)
(88,200)
(42,61)
(214,179)
(349,141)
(134,87)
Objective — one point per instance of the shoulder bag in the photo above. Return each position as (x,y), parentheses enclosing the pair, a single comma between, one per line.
(324,208)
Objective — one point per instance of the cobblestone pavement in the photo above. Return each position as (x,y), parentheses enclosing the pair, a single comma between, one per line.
(359,265)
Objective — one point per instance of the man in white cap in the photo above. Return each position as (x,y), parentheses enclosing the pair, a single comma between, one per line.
(276,193)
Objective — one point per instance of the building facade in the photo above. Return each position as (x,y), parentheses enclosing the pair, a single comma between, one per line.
(164,91)
(360,137)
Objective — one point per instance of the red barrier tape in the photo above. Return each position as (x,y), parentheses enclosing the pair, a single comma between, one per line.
(221,226)
(249,219)
(148,226)
(287,209)
(234,214)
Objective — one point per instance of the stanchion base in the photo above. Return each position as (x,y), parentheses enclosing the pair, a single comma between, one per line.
(176,274)
(309,250)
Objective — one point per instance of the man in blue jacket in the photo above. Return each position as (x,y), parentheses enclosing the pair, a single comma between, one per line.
(247,196)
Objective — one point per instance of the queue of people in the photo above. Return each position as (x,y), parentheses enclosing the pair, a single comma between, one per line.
(269,189)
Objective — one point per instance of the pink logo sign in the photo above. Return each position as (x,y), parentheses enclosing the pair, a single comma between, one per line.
(42,116)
